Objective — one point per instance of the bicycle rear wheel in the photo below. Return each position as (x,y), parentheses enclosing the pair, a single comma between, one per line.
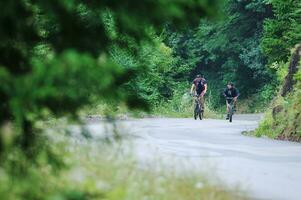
(201,114)
(230,114)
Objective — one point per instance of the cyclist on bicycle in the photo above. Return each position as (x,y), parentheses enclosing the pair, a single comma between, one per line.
(199,88)
(231,93)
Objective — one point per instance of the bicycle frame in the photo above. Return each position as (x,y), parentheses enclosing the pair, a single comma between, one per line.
(198,101)
(198,109)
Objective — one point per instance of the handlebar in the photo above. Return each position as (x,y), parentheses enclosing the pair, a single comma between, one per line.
(195,95)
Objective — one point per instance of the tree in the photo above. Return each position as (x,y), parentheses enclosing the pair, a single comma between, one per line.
(54,55)
(282,32)
(227,49)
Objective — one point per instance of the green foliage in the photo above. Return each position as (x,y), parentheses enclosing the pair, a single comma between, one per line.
(284,124)
(153,81)
(283,121)
(265,127)
(226,50)
(282,32)
(55,56)
(281,69)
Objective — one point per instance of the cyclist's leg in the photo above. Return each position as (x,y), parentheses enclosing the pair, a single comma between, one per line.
(198,100)
(234,105)
(193,100)
(227,106)
(202,102)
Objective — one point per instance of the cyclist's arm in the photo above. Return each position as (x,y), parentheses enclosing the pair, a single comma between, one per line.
(192,89)
(225,93)
(237,95)
(205,89)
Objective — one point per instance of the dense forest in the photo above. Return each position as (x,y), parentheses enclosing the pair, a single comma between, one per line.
(246,46)
(241,43)
(60,58)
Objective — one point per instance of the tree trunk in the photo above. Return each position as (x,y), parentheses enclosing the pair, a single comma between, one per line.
(293,69)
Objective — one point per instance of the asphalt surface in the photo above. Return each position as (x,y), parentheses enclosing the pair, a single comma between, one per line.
(264,168)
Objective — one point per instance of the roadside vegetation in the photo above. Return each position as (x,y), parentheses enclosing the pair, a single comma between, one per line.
(97,170)
(283,120)
(69,59)
(281,45)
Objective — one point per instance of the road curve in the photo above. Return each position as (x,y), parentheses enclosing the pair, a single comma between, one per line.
(265,168)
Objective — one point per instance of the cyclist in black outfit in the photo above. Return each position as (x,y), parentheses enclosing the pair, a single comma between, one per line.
(231,92)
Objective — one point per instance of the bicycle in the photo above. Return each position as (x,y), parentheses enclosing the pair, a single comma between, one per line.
(198,110)
(230,106)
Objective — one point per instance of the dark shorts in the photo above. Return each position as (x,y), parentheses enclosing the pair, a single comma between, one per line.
(228,101)
(199,92)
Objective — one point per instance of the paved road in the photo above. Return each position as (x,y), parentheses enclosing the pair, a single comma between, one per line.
(267,169)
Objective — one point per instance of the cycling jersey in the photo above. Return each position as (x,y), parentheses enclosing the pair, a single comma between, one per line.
(233,92)
(199,85)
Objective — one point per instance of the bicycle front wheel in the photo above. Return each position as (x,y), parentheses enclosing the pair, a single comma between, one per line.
(196,112)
